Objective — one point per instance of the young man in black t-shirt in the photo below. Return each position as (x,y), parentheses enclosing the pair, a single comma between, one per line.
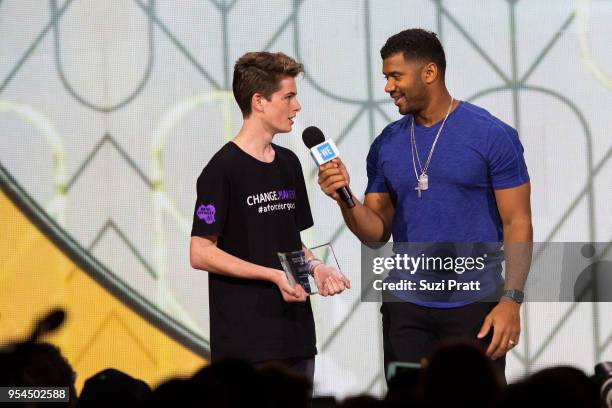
(252,204)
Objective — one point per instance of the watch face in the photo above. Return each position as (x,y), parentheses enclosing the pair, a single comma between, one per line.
(515,295)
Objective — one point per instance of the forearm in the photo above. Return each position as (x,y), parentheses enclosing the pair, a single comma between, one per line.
(518,248)
(365,223)
(212,259)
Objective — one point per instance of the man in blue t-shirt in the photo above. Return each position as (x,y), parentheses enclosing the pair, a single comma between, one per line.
(447,172)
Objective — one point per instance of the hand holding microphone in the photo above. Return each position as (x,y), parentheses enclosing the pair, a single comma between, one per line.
(333,176)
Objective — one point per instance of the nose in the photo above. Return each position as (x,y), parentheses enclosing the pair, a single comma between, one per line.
(390,85)
(297,106)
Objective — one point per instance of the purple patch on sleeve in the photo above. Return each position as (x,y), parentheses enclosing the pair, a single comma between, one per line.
(207,213)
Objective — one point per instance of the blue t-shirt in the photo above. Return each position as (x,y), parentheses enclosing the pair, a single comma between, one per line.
(476,153)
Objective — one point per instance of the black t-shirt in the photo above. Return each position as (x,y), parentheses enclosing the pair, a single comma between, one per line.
(256,209)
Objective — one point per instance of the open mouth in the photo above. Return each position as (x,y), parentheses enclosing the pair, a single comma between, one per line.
(398,99)
(291,119)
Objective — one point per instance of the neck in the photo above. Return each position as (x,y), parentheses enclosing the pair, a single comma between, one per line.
(254,139)
(436,109)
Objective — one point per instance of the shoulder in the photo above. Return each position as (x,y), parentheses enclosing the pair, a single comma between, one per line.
(500,141)
(286,155)
(284,152)
(394,128)
(484,119)
(221,161)
(390,133)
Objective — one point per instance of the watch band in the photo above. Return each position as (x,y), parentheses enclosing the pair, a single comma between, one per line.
(514,294)
(312,264)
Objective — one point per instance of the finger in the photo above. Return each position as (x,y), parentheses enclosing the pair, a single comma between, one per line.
(288,289)
(335,186)
(338,161)
(486,326)
(504,346)
(344,172)
(329,172)
(323,178)
(495,341)
(333,285)
(330,286)
(515,337)
(301,293)
(322,288)
(517,333)
(346,282)
(340,283)
(328,165)
(330,185)
(339,178)
(290,292)
(328,289)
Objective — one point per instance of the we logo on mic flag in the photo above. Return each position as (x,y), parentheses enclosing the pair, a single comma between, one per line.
(324,152)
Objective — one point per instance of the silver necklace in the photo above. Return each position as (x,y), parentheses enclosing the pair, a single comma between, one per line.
(423,178)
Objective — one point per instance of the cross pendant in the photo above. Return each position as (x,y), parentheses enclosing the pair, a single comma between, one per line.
(418,189)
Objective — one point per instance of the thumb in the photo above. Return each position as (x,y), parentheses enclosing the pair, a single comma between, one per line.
(486,326)
(340,163)
(300,292)
(286,287)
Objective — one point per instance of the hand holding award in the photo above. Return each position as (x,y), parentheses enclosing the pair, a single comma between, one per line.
(305,268)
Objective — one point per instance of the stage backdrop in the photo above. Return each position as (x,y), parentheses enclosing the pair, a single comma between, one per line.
(110,109)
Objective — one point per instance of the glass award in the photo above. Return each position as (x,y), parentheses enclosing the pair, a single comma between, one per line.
(297,268)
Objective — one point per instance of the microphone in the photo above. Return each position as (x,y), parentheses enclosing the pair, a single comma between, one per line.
(323,151)
(47,324)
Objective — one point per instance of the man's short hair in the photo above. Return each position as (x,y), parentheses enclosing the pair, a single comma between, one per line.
(261,72)
(416,44)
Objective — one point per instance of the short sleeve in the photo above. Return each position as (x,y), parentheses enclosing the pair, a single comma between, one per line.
(376,178)
(507,167)
(212,202)
(303,213)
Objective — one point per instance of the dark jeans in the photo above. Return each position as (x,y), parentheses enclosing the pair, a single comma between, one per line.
(412,332)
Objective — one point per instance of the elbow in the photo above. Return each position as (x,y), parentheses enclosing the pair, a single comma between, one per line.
(193,260)
(373,244)
(197,261)
(519,229)
(195,256)
(201,252)
(377,242)
(386,235)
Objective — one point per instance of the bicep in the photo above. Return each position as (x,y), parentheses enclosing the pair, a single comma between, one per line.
(514,203)
(204,241)
(382,205)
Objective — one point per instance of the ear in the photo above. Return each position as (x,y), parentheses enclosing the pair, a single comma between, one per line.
(429,73)
(257,102)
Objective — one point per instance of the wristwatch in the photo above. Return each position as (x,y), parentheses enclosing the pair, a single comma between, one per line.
(516,295)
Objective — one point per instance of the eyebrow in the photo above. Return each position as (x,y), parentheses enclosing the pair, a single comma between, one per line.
(392,73)
(291,94)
